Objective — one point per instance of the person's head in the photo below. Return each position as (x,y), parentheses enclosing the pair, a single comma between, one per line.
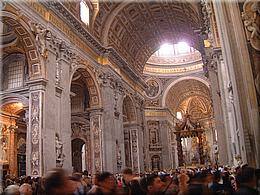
(183,178)
(246,176)
(25,189)
(166,178)
(208,177)
(56,182)
(152,184)
(12,190)
(85,173)
(106,180)
(77,176)
(216,176)
(127,175)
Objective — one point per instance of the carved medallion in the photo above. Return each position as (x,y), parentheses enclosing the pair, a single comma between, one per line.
(153,88)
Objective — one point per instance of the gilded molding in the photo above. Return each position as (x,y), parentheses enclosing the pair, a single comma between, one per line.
(171,70)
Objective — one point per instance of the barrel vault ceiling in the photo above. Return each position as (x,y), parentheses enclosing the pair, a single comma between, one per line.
(137,30)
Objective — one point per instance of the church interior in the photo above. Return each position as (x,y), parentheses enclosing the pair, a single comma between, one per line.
(149,85)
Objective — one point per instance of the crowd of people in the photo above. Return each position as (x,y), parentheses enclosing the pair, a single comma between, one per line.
(189,181)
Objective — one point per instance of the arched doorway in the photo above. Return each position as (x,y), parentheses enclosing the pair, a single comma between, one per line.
(83,97)
(77,154)
(13,135)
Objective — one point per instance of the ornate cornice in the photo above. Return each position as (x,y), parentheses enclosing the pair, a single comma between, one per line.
(61,10)
(60,47)
(94,44)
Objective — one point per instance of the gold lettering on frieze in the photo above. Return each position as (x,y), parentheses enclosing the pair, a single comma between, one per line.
(155,113)
(38,8)
(172,70)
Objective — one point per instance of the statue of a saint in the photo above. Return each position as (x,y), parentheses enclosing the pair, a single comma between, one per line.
(59,151)
(189,125)
(40,33)
(3,152)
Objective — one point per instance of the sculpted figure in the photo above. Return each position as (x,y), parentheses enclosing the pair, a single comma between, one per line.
(39,33)
(59,150)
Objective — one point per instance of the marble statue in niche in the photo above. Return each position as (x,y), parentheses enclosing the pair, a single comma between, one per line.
(3,152)
(118,156)
(3,144)
(153,88)
(59,151)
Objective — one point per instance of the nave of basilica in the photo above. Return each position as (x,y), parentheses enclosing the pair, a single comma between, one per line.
(150,85)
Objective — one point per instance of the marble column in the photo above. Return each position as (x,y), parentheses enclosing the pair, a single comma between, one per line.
(119,128)
(57,115)
(236,58)
(34,165)
(140,132)
(97,143)
(108,119)
(164,126)
(132,131)
(214,60)
(12,150)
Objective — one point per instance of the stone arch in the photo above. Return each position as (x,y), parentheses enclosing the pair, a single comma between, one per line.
(190,96)
(14,98)
(129,111)
(92,85)
(23,31)
(80,129)
(179,80)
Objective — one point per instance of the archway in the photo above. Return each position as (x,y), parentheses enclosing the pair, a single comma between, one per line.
(191,97)
(22,34)
(84,97)
(77,146)
(13,138)
(21,62)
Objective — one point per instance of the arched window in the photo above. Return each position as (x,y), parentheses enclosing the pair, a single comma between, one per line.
(84,12)
(13,72)
(172,50)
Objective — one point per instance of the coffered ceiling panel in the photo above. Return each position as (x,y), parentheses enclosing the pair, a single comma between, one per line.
(137,30)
